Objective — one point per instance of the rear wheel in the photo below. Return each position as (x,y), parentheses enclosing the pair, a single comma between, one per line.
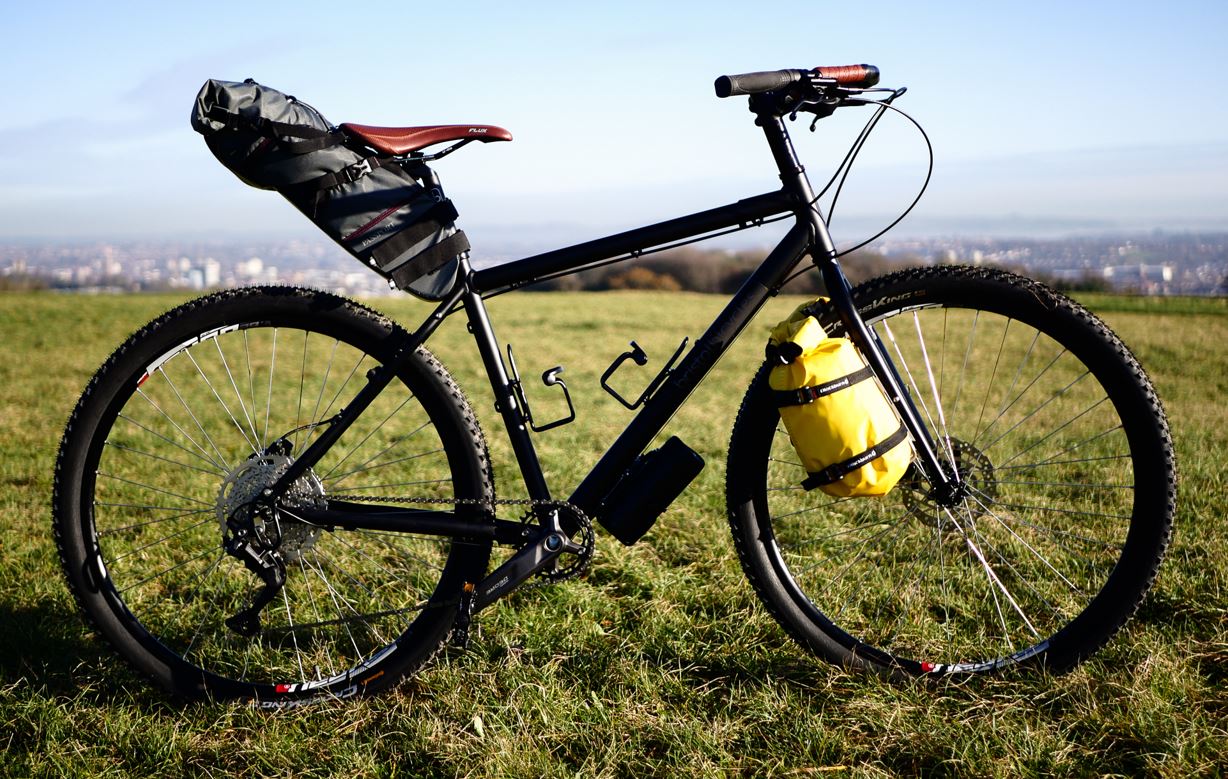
(1069,494)
(188,422)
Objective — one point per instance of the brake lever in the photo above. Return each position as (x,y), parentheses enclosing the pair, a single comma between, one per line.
(825,108)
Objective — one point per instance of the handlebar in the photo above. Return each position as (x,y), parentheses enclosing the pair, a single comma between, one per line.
(861,76)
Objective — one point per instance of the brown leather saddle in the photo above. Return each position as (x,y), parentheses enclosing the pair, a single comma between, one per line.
(403,140)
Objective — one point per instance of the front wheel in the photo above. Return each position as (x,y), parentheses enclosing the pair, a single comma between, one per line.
(1069,489)
(180,431)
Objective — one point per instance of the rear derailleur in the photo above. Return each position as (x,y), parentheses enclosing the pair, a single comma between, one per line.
(259,554)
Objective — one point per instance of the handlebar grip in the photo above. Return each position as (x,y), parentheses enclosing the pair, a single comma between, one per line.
(850,75)
(762,81)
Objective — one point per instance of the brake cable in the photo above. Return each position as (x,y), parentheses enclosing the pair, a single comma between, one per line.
(846,165)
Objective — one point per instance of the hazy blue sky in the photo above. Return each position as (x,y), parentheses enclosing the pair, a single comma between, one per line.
(1062,115)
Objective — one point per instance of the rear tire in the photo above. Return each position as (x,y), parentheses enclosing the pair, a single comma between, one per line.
(1067,452)
(166,441)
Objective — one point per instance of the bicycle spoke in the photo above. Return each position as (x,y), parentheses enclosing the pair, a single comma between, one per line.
(226,408)
(166,377)
(153,489)
(367,437)
(153,456)
(993,374)
(995,581)
(221,466)
(212,604)
(1051,463)
(1037,411)
(165,571)
(217,342)
(364,617)
(251,385)
(1017,398)
(389,486)
(302,381)
(963,370)
(138,525)
(1052,433)
(328,369)
(1064,511)
(268,402)
(216,468)
(298,653)
(1044,560)
(332,594)
(338,479)
(942,420)
(163,539)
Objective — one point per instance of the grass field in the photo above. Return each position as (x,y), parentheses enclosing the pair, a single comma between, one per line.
(661,662)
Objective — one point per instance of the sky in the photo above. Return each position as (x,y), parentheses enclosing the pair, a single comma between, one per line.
(1045,117)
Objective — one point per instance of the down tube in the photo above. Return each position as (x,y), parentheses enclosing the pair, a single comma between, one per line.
(690,372)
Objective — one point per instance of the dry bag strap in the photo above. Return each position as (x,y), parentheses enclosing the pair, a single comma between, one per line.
(834,473)
(804,395)
(313,139)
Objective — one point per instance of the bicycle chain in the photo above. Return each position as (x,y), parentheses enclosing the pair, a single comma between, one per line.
(584,535)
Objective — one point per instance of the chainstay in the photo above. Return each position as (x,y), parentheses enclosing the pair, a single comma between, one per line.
(585,531)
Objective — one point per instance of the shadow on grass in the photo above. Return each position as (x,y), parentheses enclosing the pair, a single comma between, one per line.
(45,646)
(1200,620)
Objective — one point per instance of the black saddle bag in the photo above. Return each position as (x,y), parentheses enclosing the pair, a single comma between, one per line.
(391,214)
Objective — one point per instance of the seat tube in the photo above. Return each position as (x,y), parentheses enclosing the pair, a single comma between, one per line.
(824,256)
(506,402)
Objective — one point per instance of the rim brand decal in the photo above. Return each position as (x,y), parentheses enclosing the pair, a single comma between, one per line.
(158,363)
(348,692)
(287,689)
(990,665)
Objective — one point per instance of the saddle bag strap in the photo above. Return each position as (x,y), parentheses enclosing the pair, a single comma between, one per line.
(431,259)
(347,175)
(804,395)
(834,473)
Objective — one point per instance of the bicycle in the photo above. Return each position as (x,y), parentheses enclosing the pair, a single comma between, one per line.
(236,532)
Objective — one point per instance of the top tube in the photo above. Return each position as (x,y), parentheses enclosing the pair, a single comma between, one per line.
(518,273)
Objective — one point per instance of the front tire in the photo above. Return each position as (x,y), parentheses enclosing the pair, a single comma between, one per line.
(1066,452)
(176,432)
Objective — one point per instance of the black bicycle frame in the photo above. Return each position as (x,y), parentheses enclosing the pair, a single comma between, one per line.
(809,235)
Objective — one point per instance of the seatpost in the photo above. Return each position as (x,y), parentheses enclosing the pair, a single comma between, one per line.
(824,256)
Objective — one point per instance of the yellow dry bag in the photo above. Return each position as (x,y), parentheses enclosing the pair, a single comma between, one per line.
(843,427)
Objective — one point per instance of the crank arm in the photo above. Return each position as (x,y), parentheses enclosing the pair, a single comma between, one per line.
(520,567)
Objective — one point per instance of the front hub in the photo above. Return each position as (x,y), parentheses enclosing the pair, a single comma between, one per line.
(974,489)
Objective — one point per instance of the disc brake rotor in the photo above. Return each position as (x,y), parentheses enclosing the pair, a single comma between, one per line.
(979,485)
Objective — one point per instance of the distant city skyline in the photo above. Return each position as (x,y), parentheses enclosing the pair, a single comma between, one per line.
(1154,263)
(1050,118)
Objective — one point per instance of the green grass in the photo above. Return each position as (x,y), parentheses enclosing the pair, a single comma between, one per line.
(661,661)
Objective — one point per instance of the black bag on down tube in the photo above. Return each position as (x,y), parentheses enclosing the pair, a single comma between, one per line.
(390,214)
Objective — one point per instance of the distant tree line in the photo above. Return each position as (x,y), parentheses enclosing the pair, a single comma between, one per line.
(713,270)
(22,282)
